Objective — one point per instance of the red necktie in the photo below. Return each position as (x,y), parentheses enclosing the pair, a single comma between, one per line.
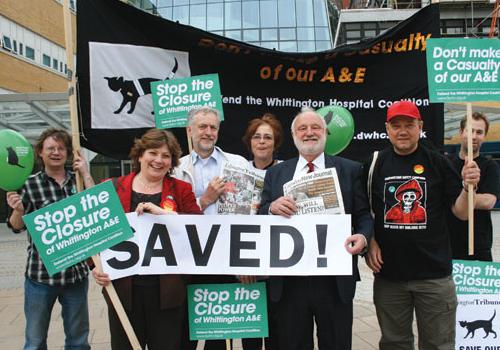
(310,167)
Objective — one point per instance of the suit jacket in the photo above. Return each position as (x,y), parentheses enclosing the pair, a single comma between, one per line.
(355,203)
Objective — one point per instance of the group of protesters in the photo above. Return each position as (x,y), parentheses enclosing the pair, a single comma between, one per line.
(407,203)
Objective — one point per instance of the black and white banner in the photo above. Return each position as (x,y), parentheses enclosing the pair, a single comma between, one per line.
(260,245)
(121,50)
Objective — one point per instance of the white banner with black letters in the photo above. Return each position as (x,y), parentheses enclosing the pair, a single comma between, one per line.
(232,245)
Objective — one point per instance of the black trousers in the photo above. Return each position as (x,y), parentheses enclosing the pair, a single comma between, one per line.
(308,299)
(271,341)
(158,329)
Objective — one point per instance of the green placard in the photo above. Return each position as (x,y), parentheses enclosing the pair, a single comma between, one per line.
(476,277)
(71,230)
(227,311)
(463,70)
(173,99)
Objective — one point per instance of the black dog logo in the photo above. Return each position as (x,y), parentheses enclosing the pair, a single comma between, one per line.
(12,158)
(484,324)
(131,90)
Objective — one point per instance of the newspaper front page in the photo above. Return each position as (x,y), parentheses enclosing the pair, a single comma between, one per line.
(316,193)
(242,192)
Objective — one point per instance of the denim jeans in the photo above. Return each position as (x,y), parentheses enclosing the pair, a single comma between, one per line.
(39,300)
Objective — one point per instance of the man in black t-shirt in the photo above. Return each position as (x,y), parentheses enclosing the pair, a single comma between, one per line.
(486,196)
(412,188)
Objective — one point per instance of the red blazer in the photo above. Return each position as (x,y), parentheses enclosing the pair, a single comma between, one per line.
(179,196)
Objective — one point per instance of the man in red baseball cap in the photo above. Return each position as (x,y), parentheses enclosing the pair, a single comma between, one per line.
(410,254)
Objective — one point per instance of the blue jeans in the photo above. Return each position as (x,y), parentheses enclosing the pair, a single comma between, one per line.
(39,300)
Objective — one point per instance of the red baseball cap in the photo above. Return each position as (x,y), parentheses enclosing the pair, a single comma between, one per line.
(403,108)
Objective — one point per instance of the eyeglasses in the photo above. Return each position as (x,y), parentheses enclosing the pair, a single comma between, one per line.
(55,149)
(265,137)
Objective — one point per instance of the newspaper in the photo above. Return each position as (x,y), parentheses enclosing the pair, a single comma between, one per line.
(316,193)
(242,192)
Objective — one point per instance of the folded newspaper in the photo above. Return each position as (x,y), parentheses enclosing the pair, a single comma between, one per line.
(316,193)
(242,192)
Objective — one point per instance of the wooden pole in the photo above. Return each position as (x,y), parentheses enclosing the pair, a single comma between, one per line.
(470,188)
(75,133)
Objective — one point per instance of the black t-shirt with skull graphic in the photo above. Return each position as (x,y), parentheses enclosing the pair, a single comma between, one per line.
(410,197)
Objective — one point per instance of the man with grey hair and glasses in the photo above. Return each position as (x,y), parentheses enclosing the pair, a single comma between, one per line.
(326,300)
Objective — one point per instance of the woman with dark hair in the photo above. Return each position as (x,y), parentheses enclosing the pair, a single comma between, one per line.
(155,304)
(263,137)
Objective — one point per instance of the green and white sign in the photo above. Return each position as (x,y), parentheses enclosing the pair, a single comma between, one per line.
(463,70)
(476,277)
(71,230)
(478,296)
(227,311)
(173,99)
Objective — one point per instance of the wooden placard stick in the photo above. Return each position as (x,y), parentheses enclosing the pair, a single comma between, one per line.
(470,187)
(75,133)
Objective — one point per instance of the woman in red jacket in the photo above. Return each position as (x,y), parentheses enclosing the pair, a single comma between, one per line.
(155,304)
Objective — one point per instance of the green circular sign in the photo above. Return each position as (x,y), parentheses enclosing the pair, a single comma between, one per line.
(16,160)
(340,128)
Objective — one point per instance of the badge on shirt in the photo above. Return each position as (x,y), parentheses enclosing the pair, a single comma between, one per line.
(169,204)
(418,169)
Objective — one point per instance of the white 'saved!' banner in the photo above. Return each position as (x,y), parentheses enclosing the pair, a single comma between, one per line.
(232,245)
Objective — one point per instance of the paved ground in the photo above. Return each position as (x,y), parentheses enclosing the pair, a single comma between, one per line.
(12,261)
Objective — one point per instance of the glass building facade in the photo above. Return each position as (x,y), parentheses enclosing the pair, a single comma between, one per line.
(285,25)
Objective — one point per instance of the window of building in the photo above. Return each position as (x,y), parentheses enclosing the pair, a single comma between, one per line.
(21,49)
(305,11)
(251,35)
(6,43)
(197,16)
(322,33)
(233,34)
(30,52)
(288,46)
(215,17)
(61,67)
(269,34)
(305,46)
(287,34)
(268,14)
(181,14)
(165,12)
(286,13)
(272,45)
(232,15)
(250,11)
(55,63)
(46,60)
(305,33)
(14,46)
(323,45)
(320,17)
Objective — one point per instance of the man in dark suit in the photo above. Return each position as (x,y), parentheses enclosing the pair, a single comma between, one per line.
(325,299)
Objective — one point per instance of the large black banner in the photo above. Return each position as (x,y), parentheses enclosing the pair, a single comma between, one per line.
(122,49)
